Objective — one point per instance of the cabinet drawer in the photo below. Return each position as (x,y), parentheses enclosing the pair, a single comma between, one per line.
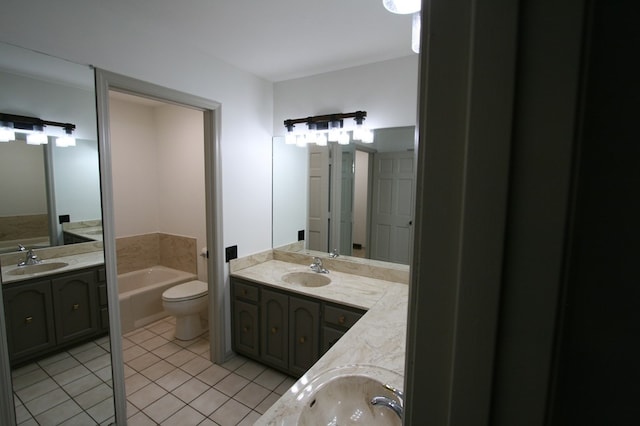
(245,291)
(341,317)
(329,337)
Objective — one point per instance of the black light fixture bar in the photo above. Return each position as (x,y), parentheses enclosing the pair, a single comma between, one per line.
(322,121)
(22,122)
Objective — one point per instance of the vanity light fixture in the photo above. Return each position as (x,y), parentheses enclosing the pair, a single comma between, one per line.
(33,128)
(405,7)
(321,129)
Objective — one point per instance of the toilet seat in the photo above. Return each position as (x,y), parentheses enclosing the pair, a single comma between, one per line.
(185,291)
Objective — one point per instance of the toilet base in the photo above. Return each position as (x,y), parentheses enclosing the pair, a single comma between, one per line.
(188,327)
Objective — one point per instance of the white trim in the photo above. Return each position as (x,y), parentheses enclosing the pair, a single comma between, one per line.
(106,81)
(465,109)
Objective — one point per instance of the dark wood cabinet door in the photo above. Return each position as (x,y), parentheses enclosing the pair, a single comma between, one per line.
(304,334)
(29,317)
(75,301)
(274,328)
(245,328)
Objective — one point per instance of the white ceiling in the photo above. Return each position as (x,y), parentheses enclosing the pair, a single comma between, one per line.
(277,39)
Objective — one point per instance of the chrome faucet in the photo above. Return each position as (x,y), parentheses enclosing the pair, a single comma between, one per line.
(334,253)
(317,266)
(30,259)
(385,401)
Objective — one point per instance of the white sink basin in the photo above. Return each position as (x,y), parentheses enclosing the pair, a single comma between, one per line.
(37,268)
(306,279)
(344,398)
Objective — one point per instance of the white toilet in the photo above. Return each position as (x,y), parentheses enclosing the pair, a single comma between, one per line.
(185,302)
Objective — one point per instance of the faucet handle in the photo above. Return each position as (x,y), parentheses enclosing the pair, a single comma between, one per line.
(21,247)
(396,392)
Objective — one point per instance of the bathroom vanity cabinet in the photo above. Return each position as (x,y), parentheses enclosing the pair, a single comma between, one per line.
(48,313)
(283,329)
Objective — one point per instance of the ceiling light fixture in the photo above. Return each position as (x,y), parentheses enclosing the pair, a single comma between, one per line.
(33,128)
(402,7)
(405,7)
(321,129)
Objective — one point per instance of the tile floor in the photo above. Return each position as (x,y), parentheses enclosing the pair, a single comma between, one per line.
(168,382)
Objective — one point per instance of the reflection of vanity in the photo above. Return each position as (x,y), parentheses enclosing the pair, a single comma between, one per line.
(82,232)
(47,311)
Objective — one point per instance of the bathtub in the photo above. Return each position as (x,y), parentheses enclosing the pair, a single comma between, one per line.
(140,294)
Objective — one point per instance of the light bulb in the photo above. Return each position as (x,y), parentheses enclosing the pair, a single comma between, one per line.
(402,7)
(37,138)
(6,133)
(65,141)
(321,140)
(367,136)
(415,32)
(290,138)
(343,139)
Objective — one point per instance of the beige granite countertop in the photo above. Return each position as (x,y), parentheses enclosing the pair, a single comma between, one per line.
(78,256)
(377,339)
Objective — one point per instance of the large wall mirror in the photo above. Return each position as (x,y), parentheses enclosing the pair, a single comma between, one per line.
(354,200)
(51,203)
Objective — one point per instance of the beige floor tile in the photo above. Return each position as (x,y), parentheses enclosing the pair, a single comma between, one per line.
(196,366)
(250,419)
(143,362)
(53,358)
(181,357)
(252,395)
(81,385)
(158,370)
(185,417)
(99,362)
(270,378)
(230,414)
(132,353)
(146,395)
(167,350)
(28,368)
(82,348)
(250,370)
(190,390)
(135,382)
(102,412)
(104,373)
(232,384)
(209,401)
(59,413)
(160,326)
(206,422)
(29,378)
(164,408)
(37,389)
(22,414)
(90,354)
(199,346)
(185,343)
(80,419)
(154,342)
(60,366)
(94,396)
(47,401)
(126,343)
(267,403)
(173,379)
(141,336)
(213,374)
(71,375)
(140,419)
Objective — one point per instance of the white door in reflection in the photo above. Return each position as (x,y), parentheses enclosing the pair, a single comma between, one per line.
(392,212)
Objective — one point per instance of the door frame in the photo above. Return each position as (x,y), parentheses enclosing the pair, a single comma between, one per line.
(106,81)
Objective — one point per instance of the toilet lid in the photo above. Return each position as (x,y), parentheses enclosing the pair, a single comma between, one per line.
(185,291)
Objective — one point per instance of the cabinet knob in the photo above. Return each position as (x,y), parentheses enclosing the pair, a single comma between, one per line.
(302,340)
(28,320)
(245,329)
(274,330)
(341,319)
(76,306)
(244,292)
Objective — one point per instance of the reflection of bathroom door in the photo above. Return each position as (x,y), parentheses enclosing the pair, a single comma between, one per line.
(346,202)
(392,207)
(318,215)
